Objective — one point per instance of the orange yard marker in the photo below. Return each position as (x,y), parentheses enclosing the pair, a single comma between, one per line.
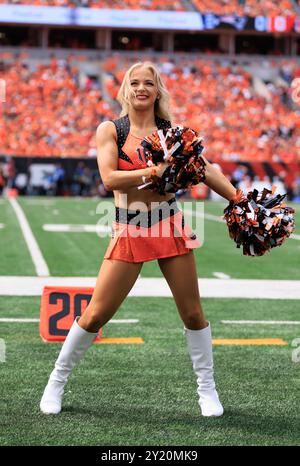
(250,341)
(121,341)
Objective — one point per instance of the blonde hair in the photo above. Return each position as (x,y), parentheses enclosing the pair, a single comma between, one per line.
(161,106)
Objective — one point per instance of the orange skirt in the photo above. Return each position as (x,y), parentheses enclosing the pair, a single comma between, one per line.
(144,236)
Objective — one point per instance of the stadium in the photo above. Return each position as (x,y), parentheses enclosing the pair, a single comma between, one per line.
(232,69)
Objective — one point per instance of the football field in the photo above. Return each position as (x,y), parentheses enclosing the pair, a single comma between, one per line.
(145,394)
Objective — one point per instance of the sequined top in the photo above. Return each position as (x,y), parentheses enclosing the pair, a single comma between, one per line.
(129,158)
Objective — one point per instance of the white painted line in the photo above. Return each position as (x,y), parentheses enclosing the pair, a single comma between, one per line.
(221,275)
(12,320)
(156,287)
(76,228)
(2,226)
(294,236)
(264,322)
(40,202)
(28,320)
(215,218)
(33,247)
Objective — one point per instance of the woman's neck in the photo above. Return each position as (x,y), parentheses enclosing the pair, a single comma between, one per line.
(141,120)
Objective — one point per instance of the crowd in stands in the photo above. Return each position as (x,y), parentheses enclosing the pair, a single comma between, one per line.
(50,110)
(219,101)
(54,109)
(246,7)
(220,7)
(172,5)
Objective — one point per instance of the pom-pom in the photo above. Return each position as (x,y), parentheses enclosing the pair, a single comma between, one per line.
(181,148)
(259,221)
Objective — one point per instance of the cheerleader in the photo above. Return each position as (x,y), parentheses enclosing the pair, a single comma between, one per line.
(147,226)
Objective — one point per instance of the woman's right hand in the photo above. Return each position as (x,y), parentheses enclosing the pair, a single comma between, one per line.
(160,168)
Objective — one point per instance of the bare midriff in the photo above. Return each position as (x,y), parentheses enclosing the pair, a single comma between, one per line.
(141,199)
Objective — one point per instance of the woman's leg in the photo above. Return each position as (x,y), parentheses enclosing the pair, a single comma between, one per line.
(115,280)
(181,275)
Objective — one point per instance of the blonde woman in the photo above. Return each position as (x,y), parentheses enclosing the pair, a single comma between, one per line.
(145,108)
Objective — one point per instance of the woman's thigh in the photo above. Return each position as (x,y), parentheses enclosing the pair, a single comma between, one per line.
(114,282)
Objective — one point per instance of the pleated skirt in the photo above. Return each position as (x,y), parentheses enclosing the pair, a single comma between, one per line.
(139,236)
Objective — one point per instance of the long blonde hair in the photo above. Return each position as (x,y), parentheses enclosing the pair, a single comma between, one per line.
(161,107)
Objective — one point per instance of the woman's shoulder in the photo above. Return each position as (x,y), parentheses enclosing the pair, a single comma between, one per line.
(106,126)
(106,130)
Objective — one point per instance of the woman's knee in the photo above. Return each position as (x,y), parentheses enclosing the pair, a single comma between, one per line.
(194,320)
(94,317)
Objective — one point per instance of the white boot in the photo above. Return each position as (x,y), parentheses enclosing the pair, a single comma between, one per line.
(200,349)
(75,345)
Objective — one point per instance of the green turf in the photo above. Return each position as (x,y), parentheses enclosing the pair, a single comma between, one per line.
(67,254)
(145,394)
(15,257)
(80,254)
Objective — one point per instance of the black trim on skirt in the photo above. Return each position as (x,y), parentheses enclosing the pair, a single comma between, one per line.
(151,217)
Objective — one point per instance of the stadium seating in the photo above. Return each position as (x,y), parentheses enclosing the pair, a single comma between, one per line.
(246,7)
(240,7)
(55,108)
(219,101)
(175,5)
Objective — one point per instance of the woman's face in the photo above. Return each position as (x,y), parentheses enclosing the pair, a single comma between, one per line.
(144,89)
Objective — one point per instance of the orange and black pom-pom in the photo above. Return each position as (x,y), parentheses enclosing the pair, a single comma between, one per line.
(259,221)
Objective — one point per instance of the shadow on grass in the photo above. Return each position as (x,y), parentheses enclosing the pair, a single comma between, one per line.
(245,420)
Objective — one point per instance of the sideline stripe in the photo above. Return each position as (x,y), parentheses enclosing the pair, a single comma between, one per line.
(250,341)
(120,341)
(158,287)
(28,320)
(33,247)
(2,226)
(264,322)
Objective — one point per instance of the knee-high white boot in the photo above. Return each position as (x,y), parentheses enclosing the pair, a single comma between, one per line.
(75,345)
(200,349)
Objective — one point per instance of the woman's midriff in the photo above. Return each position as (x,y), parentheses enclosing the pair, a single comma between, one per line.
(134,198)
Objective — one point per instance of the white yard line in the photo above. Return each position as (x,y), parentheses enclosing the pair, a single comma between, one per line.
(2,226)
(158,287)
(33,247)
(294,236)
(76,228)
(264,322)
(28,320)
(221,275)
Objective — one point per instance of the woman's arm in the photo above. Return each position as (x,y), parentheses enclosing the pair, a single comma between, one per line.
(107,158)
(218,182)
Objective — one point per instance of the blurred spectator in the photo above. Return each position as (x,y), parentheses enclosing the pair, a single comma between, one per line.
(21,183)
(2,180)
(58,178)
